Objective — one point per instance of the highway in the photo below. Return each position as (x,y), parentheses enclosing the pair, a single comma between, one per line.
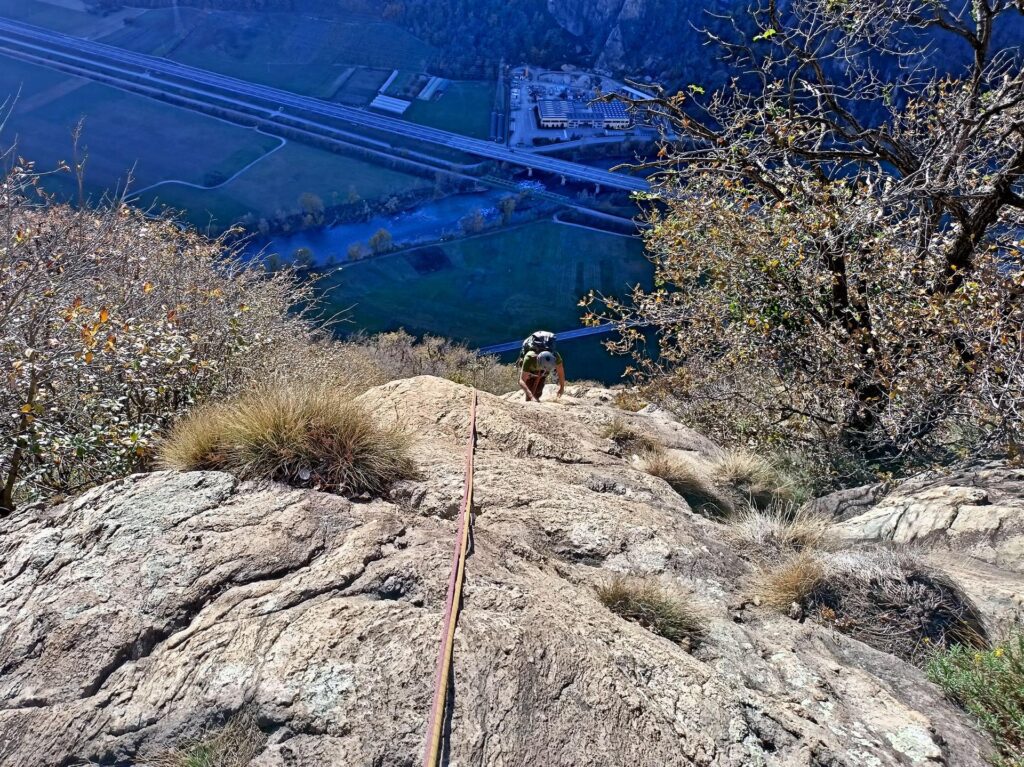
(565,335)
(55,49)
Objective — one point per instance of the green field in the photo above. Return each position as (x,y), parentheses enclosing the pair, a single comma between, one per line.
(301,53)
(122,133)
(464,108)
(363,85)
(492,288)
(50,16)
(277,182)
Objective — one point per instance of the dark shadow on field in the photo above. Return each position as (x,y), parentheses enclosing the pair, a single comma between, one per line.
(428,260)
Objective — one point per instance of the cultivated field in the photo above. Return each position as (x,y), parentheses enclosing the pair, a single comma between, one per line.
(362,86)
(491,288)
(464,108)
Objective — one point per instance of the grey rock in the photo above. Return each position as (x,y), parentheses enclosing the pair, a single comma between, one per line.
(969,523)
(152,608)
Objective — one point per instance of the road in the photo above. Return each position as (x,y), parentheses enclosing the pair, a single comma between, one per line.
(107,62)
(565,335)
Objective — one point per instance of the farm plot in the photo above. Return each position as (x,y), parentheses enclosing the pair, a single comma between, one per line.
(465,107)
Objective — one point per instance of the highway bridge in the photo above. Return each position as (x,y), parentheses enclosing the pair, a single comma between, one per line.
(168,80)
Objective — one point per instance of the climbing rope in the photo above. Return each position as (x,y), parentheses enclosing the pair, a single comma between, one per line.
(451,611)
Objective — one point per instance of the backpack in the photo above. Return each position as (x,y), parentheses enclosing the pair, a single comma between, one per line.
(541,341)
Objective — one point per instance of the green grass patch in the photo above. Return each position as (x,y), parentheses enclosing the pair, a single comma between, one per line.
(276,183)
(990,685)
(362,87)
(491,288)
(294,51)
(50,16)
(464,108)
(122,132)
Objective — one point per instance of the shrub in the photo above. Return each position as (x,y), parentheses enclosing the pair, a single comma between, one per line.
(770,535)
(374,360)
(990,685)
(687,479)
(301,434)
(112,323)
(757,481)
(234,745)
(628,438)
(883,598)
(644,601)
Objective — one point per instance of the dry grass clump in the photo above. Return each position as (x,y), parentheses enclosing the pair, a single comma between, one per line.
(772,534)
(302,434)
(234,745)
(757,482)
(793,582)
(884,598)
(628,438)
(630,401)
(687,479)
(644,601)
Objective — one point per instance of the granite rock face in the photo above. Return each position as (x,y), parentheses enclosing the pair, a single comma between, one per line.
(152,608)
(969,522)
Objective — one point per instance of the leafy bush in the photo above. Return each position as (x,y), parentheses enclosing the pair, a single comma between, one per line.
(110,325)
(814,287)
(644,601)
(300,434)
(885,599)
(990,685)
(234,745)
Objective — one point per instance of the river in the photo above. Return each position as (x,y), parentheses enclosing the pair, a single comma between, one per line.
(429,222)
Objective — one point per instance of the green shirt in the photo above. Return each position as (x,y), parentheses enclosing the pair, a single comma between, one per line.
(530,364)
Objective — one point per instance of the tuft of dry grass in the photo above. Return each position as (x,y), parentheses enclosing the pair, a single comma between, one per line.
(644,601)
(770,535)
(759,482)
(301,434)
(687,479)
(234,745)
(884,598)
(628,438)
(794,581)
(630,401)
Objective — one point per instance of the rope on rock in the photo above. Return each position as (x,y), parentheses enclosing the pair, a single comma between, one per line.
(435,725)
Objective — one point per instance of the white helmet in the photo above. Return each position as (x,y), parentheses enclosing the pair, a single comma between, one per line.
(547,361)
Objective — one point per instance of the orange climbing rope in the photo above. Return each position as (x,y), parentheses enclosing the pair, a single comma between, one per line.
(451,611)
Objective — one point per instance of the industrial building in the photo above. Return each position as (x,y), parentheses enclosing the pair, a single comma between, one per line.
(560,113)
